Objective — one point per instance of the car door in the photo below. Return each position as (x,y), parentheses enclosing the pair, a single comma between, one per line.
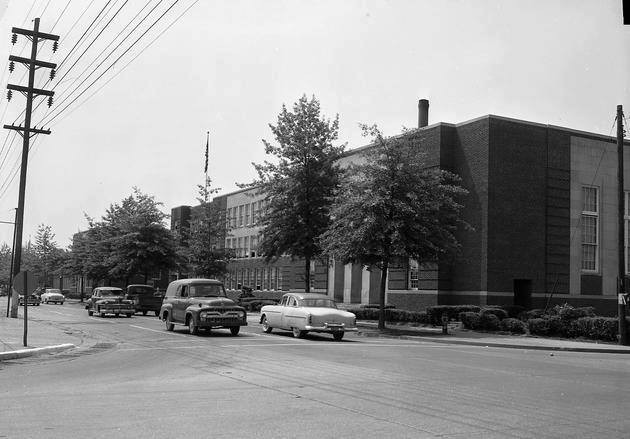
(179,303)
(288,313)
(274,313)
(94,298)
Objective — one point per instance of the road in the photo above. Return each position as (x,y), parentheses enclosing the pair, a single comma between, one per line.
(134,379)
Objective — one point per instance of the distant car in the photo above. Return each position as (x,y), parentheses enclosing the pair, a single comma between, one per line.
(302,313)
(109,300)
(201,304)
(53,295)
(33,299)
(145,298)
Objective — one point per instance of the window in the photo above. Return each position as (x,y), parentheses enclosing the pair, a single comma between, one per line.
(590,238)
(265,278)
(246,247)
(279,279)
(247,214)
(254,214)
(626,228)
(413,274)
(239,249)
(240,215)
(272,278)
(253,244)
(228,217)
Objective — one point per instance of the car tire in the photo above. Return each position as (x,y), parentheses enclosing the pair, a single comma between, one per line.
(193,329)
(234,330)
(265,325)
(116,315)
(298,333)
(157,313)
(338,336)
(144,312)
(169,325)
(90,312)
(101,313)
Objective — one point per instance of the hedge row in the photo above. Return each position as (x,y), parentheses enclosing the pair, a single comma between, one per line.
(490,322)
(596,328)
(452,311)
(391,315)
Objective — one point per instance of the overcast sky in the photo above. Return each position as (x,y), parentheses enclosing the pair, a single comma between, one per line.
(228,66)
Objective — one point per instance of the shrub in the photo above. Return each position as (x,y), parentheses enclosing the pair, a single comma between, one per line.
(538,326)
(531,314)
(377,306)
(513,311)
(500,313)
(452,311)
(488,322)
(570,313)
(512,325)
(597,328)
(470,320)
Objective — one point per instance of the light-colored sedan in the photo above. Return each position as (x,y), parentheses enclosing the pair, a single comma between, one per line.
(302,313)
(53,295)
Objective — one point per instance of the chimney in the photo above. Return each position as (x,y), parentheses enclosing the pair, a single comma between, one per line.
(423,113)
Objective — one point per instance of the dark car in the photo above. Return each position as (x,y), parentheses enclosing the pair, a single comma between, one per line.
(201,304)
(109,300)
(33,299)
(145,298)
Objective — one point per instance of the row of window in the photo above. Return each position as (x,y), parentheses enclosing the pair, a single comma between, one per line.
(590,229)
(266,278)
(245,215)
(243,246)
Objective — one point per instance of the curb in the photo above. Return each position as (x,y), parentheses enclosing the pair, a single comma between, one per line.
(22,353)
(405,335)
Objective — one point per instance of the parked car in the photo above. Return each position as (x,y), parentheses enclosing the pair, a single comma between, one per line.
(53,295)
(109,300)
(303,313)
(145,298)
(33,299)
(201,304)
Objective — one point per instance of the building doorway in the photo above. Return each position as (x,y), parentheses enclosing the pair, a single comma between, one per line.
(523,293)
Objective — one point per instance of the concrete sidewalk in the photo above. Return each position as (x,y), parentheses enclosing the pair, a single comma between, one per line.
(457,335)
(42,337)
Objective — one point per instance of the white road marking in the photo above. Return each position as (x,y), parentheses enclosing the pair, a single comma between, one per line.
(160,332)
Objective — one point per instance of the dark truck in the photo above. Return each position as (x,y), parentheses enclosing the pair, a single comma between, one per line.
(145,298)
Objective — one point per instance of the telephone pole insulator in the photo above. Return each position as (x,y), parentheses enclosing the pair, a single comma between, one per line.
(32,64)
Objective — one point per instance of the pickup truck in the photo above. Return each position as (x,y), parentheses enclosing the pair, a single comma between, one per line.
(145,298)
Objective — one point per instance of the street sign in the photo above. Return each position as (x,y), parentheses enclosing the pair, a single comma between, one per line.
(25,278)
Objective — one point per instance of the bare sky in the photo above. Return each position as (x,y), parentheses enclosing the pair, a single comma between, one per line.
(228,66)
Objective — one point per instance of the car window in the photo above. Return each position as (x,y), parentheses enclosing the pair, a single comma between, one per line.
(283,302)
(184,291)
(291,301)
(207,290)
(108,293)
(318,303)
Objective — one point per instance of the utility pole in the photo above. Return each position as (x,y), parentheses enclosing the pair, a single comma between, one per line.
(621,298)
(27,132)
(9,293)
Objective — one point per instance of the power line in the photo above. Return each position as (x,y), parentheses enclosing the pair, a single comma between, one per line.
(130,61)
(111,65)
(105,59)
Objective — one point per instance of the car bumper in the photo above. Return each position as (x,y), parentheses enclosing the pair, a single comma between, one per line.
(330,328)
(115,310)
(212,322)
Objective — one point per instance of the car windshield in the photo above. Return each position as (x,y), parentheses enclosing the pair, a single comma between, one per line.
(207,290)
(106,293)
(53,291)
(140,290)
(317,303)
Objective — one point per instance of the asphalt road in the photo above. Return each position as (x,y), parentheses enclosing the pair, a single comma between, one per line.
(131,378)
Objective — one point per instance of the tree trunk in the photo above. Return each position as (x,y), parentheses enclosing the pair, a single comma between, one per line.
(381,301)
(307,275)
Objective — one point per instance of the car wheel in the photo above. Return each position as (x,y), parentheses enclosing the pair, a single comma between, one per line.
(265,325)
(101,313)
(193,329)
(167,321)
(128,315)
(338,335)
(298,333)
(90,312)
(234,330)
(157,313)
(116,315)
(144,313)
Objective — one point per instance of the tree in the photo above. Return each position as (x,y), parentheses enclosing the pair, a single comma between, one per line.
(46,254)
(394,206)
(299,185)
(130,239)
(206,256)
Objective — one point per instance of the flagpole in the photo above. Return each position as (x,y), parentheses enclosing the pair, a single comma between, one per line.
(206,167)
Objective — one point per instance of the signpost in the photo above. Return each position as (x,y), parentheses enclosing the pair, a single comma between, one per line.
(25,283)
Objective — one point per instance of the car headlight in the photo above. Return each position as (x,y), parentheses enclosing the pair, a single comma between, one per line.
(240,314)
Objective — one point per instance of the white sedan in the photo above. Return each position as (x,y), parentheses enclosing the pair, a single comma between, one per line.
(303,313)
(53,295)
